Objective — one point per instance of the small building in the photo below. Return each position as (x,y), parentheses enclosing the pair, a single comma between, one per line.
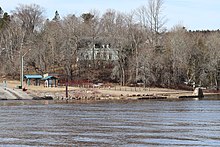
(100,56)
(50,81)
(30,78)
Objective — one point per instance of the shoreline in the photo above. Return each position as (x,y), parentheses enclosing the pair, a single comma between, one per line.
(86,101)
(102,93)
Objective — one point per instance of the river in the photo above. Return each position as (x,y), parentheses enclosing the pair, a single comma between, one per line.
(111,123)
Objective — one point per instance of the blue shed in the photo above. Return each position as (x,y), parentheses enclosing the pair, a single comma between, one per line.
(37,79)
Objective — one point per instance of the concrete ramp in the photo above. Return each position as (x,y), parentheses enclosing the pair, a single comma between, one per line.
(6,95)
(13,94)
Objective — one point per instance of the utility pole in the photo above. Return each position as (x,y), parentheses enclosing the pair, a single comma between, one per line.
(22,68)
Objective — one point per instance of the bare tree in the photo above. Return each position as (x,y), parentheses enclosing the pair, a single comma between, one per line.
(213,56)
(137,39)
(11,41)
(122,43)
(178,53)
(151,24)
(72,35)
(152,20)
(29,17)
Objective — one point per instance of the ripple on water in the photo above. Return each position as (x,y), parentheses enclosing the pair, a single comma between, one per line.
(133,123)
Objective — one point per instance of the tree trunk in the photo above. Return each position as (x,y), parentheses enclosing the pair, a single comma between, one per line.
(123,76)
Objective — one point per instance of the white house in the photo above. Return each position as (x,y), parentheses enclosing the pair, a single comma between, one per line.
(104,53)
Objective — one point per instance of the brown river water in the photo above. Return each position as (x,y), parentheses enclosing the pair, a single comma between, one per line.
(111,123)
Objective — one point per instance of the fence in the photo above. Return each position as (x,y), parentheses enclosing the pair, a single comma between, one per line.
(116,88)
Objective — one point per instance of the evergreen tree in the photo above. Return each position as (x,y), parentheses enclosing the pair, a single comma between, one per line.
(4,18)
(57,16)
(1,13)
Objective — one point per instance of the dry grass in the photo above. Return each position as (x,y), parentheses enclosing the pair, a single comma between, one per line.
(113,91)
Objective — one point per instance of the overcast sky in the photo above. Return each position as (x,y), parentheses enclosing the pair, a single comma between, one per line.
(193,14)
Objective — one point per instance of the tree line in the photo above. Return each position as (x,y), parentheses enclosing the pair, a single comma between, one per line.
(147,51)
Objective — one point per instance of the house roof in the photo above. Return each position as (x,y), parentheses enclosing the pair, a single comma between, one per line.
(49,77)
(33,76)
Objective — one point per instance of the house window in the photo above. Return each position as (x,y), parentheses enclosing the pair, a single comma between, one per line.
(110,56)
(98,55)
(104,56)
(87,57)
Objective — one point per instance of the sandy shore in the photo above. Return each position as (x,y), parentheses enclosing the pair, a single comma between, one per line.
(116,92)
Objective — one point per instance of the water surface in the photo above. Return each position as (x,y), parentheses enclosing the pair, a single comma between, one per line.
(115,123)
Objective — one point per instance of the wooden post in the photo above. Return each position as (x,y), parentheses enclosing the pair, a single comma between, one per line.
(66,87)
